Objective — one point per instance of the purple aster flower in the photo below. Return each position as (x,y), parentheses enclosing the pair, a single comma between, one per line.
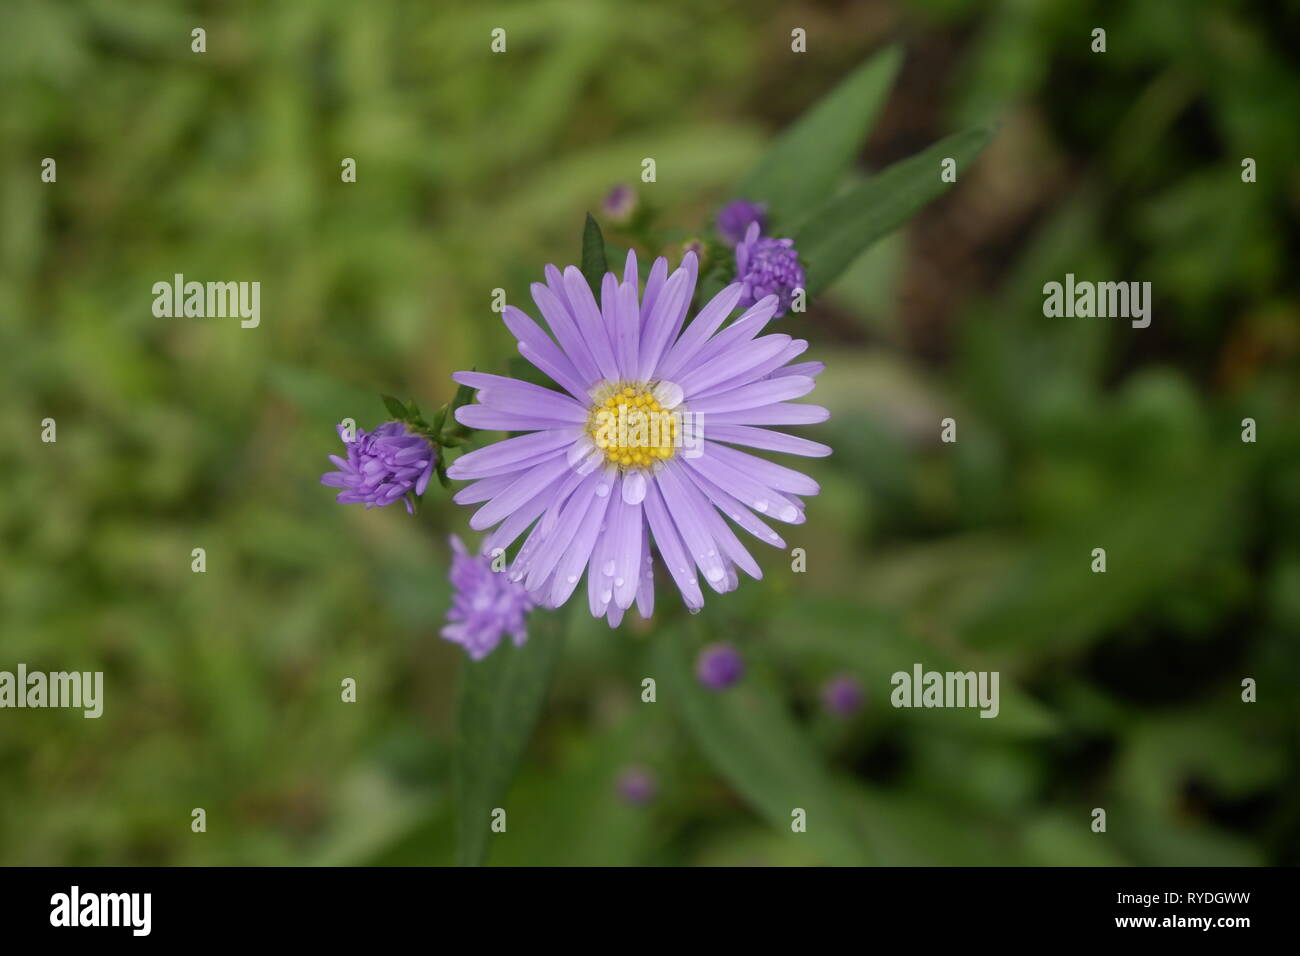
(637,786)
(719,666)
(843,695)
(619,204)
(382,466)
(620,461)
(737,216)
(767,266)
(485,604)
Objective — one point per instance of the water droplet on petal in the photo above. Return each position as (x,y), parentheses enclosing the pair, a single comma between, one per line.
(609,567)
(634,488)
(668,394)
(715,573)
(760,506)
(789,513)
(618,582)
(578,451)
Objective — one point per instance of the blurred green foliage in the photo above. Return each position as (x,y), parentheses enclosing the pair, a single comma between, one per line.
(222,689)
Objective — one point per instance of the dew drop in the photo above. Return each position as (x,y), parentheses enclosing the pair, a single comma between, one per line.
(668,394)
(760,506)
(609,567)
(573,579)
(618,582)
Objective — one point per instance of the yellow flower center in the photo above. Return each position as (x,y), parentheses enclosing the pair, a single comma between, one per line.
(631,428)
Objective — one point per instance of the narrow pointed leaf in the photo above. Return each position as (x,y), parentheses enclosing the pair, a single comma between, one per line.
(847,225)
(499,701)
(748,735)
(593,255)
(464,395)
(395,408)
(810,158)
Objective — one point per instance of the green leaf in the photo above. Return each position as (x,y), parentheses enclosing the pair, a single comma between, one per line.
(498,704)
(880,645)
(844,227)
(464,395)
(395,408)
(451,433)
(750,738)
(593,255)
(809,159)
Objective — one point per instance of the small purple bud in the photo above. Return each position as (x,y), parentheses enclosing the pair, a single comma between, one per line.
(619,204)
(382,466)
(700,249)
(719,666)
(485,604)
(767,266)
(843,695)
(637,786)
(736,216)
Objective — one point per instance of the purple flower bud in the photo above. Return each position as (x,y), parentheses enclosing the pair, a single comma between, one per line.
(719,666)
(382,466)
(736,217)
(843,695)
(485,604)
(637,786)
(619,204)
(767,266)
(701,251)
